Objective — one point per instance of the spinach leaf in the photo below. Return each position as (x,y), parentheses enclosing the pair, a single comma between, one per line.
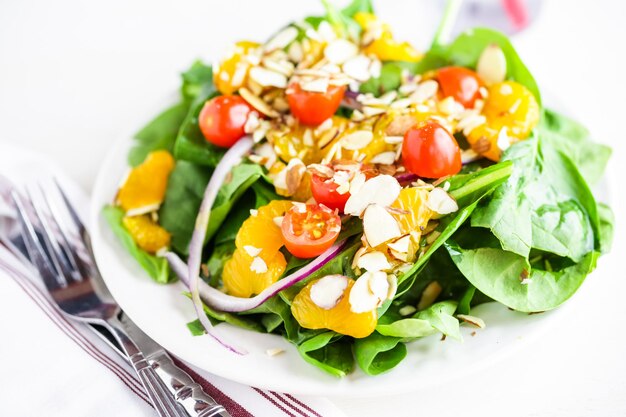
(573,139)
(183,196)
(160,133)
(242,177)
(436,318)
(607,220)
(389,79)
(344,24)
(357,6)
(190,144)
(510,279)
(330,352)
(195,79)
(464,189)
(219,255)
(376,353)
(157,268)
(545,204)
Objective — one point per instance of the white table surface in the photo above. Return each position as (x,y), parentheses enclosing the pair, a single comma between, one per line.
(75,75)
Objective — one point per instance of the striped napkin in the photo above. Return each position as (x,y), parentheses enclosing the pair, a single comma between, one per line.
(54,366)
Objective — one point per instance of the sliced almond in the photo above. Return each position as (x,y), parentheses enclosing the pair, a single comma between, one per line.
(491,67)
(295,52)
(399,125)
(382,190)
(441,202)
(357,256)
(385,158)
(252,251)
(425,90)
(321,170)
(328,291)
(315,85)
(282,39)
(257,103)
(504,141)
(258,265)
(379,226)
(476,321)
(138,211)
(374,261)
(362,299)
(278,220)
(274,351)
(340,50)
(429,295)
(394,140)
(450,106)
(379,286)
(252,123)
(401,245)
(268,78)
(393,286)
(357,182)
(358,68)
(254,212)
(407,310)
(357,140)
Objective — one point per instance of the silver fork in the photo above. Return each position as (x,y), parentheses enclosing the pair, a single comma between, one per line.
(69,279)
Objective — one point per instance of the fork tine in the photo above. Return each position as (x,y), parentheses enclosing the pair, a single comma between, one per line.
(56,250)
(70,208)
(35,249)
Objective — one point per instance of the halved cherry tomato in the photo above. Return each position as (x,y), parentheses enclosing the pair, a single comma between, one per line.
(460,83)
(308,230)
(222,120)
(325,192)
(313,108)
(430,151)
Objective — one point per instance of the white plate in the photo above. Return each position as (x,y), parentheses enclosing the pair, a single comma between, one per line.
(162,312)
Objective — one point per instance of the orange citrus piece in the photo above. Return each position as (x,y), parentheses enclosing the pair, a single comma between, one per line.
(232,72)
(413,202)
(339,318)
(241,276)
(241,280)
(509,106)
(147,182)
(148,235)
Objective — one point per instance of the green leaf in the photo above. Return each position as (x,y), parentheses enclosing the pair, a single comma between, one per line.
(330,352)
(219,255)
(573,139)
(157,268)
(160,133)
(344,24)
(185,190)
(242,177)
(219,316)
(545,204)
(357,6)
(190,144)
(195,79)
(465,302)
(607,221)
(376,353)
(440,316)
(407,328)
(509,279)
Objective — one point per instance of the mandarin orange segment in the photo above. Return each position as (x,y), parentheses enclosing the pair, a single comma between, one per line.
(339,318)
(147,182)
(232,72)
(260,230)
(509,106)
(417,213)
(242,278)
(148,235)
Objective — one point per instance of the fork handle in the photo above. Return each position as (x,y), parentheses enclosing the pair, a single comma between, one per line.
(163,401)
(188,392)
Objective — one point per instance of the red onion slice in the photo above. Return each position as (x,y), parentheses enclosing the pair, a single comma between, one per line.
(228,303)
(231,158)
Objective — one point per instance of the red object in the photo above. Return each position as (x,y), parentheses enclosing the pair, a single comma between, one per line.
(325,192)
(313,108)
(460,83)
(222,119)
(430,151)
(308,230)
(517,11)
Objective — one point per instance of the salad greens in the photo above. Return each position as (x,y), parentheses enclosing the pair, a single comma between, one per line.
(526,231)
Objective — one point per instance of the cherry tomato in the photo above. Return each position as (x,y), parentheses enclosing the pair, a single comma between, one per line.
(313,108)
(460,83)
(222,120)
(309,229)
(430,151)
(325,192)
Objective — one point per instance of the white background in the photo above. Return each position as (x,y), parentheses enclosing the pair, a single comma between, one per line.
(76,75)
